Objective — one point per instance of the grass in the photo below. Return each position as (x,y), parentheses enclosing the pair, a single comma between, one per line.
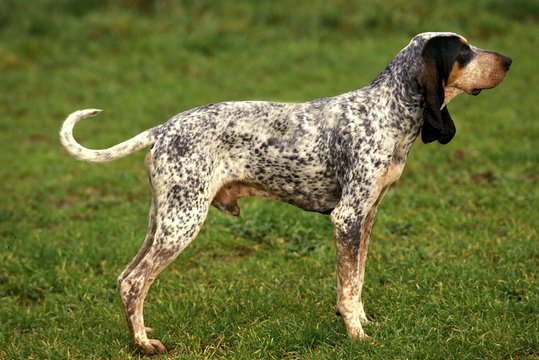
(453,264)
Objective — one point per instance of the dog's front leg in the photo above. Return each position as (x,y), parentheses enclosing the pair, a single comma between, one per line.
(366,229)
(348,227)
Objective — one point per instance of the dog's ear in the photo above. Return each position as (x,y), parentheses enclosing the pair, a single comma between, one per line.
(438,57)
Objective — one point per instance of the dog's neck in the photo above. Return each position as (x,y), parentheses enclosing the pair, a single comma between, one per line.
(405,106)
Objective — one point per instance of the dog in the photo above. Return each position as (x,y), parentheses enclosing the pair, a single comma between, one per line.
(336,155)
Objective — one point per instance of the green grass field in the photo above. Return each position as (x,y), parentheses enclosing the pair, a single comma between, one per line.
(454,257)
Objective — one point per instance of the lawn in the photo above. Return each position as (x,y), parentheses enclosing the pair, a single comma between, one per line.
(454,257)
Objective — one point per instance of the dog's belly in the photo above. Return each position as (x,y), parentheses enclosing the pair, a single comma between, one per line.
(311,193)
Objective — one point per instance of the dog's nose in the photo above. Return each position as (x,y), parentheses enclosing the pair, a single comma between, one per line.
(507,61)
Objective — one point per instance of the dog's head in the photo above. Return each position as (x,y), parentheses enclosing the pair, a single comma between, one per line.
(452,66)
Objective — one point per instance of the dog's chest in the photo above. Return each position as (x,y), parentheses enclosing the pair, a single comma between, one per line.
(396,165)
(393,173)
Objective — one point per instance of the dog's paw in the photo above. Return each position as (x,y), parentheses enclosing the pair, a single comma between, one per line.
(364,321)
(360,336)
(153,347)
(366,337)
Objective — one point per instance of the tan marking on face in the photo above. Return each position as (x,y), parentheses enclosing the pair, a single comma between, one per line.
(464,41)
(485,71)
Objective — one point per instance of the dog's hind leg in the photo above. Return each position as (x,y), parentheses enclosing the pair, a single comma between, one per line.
(180,211)
(148,241)
(173,234)
(152,225)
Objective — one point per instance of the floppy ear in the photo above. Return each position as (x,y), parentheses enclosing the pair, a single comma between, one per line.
(438,124)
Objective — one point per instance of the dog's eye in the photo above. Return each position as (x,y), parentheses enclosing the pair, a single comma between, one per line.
(465,51)
(464,55)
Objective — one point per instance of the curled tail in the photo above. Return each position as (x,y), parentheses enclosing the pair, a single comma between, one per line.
(125,148)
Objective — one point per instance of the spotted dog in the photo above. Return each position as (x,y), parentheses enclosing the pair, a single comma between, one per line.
(336,155)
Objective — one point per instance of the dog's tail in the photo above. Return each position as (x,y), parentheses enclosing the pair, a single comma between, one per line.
(125,148)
